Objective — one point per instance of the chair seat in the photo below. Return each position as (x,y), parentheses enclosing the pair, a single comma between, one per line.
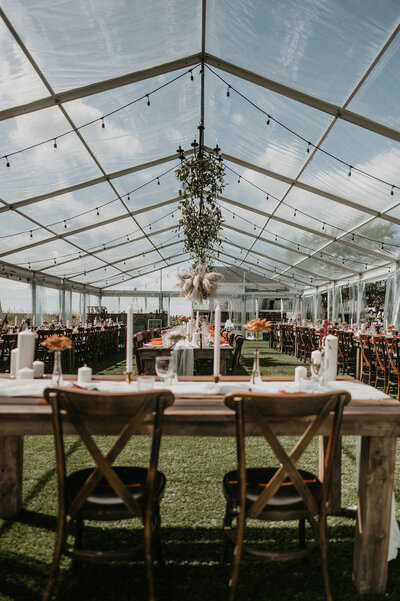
(286,499)
(103,502)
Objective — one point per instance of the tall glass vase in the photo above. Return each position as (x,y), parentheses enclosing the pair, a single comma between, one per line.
(57,376)
(256,374)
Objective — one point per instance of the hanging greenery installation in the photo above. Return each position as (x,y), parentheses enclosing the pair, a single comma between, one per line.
(202,178)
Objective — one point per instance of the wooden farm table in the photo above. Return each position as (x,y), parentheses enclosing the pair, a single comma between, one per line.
(149,353)
(378,423)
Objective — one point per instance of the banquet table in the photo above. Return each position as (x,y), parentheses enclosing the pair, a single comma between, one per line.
(199,410)
(149,352)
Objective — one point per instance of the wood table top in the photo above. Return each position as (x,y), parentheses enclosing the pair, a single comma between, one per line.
(199,414)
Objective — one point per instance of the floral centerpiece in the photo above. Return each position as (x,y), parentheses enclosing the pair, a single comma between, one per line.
(257,325)
(57,344)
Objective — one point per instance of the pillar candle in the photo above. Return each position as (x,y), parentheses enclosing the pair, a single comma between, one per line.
(38,369)
(129,336)
(217,328)
(25,373)
(197,319)
(300,373)
(26,349)
(331,355)
(84,374)
(316,357)
(13,365)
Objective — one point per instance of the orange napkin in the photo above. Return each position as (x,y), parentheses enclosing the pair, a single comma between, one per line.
(156,341)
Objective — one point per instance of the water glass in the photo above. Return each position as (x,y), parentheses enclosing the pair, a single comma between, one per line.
(164,368)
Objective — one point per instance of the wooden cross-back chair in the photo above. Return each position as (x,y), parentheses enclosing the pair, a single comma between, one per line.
(393,364)
(368,362)
(104,492)
(280,493)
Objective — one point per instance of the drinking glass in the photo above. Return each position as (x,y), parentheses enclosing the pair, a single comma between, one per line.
(316,368)
(164,368)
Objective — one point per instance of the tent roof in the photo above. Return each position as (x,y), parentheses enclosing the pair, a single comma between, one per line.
(301,96)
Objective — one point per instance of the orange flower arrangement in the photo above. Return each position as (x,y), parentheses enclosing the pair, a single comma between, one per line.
(57,343)
(391,327)
(181,318)
(258,325)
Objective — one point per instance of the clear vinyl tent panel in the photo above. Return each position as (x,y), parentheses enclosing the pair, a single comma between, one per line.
(301,99)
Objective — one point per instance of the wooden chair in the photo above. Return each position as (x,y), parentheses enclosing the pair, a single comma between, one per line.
(138,341)
(393,364)
(9,343)
(104,492)
(285,492)
(379,354)
(368,365)
(239,339)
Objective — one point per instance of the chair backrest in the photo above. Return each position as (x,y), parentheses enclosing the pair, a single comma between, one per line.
(123,411)
(262,410)
(239,339)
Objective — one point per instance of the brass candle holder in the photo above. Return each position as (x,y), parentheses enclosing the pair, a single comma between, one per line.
(128,376)
(216,379)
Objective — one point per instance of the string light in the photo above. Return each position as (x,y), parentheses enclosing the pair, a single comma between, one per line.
(300,137)
(350,168)
(268,120)
(120,108)
(308,147)
(392,191)
(308,214)
(191,75)
(148,100)
(55,143)
(7,161)
(228,92)
(103,125)
(97,211)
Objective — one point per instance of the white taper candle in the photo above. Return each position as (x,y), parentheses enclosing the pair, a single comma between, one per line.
(129,335)
(217,350)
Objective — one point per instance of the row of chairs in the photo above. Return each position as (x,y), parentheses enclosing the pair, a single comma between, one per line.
(276,493)
(380,362)
(88,346)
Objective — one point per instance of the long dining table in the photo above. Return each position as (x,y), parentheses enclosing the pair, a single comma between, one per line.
(199,410)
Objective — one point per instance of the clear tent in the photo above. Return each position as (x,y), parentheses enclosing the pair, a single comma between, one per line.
(301,97)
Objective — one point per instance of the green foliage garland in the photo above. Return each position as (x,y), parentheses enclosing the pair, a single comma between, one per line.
(202,178)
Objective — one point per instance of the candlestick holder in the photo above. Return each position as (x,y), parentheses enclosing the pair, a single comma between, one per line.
(128,376)
(216,379)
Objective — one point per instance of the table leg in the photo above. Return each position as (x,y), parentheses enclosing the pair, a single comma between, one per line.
(222,366)
(375,485)
(335,497)
(11,465)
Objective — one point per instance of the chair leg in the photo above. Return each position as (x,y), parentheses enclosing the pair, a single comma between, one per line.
(227,525)
(237,553)
(302,533)
(324,558)
(56,558)
(78,542)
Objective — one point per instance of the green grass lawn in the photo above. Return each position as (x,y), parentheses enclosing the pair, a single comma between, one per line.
(192,512)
